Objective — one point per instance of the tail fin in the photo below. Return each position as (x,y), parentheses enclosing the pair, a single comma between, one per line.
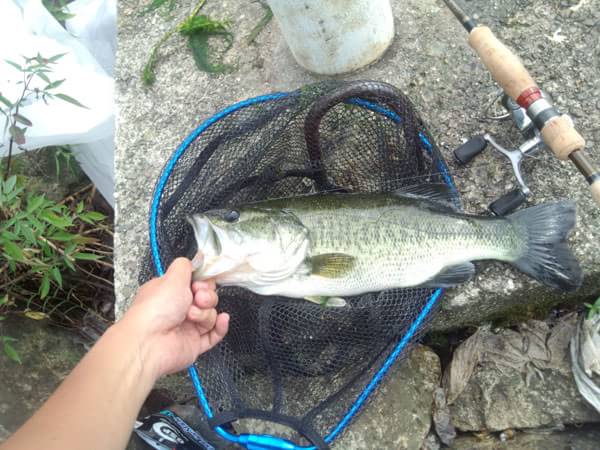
(547,257)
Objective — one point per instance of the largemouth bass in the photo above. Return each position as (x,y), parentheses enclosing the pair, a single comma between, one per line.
(328,246)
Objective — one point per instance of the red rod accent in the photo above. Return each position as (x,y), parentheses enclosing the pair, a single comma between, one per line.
(529,96)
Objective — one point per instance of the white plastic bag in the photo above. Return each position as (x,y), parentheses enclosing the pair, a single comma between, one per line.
(30,29)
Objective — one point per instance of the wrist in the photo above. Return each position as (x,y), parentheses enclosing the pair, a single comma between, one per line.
(137,345)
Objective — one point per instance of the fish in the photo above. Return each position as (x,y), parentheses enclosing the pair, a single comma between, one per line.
(325,247)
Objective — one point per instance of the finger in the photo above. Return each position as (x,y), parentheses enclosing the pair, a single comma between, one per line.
(206,284)
(220,329)
(180,272)
(206,299)
(204,318)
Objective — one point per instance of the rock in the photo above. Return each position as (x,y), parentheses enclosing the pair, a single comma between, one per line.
(47,353)
(442,420)
(431,62)
(515,379)
(399,416)
(584,439)
(585,359)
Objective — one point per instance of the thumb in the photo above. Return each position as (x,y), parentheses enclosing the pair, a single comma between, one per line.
(179,273)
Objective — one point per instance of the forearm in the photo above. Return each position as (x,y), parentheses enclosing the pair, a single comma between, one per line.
(96,406)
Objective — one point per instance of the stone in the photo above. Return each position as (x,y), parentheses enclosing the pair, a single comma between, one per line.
(505,379)
(432,63)
(400,414)
(583,439)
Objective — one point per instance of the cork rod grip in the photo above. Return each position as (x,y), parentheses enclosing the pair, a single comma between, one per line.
(508,71)
(595,187)
(561,137)
(503,64)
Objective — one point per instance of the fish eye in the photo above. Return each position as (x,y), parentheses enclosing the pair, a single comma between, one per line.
(231,216)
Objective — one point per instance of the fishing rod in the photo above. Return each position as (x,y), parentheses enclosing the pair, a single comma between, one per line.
(556,130)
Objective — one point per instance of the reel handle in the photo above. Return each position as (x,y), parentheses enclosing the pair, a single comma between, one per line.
(557,130)
(470,149)
(508,203)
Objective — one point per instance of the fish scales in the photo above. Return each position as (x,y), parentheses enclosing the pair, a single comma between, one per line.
(395,242)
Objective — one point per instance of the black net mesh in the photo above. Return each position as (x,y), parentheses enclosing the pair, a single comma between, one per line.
(287,360)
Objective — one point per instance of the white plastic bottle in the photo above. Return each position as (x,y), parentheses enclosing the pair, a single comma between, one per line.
(335,36)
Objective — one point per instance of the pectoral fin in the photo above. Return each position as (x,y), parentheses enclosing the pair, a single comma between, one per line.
(328,302)
(332,265)
(452,276)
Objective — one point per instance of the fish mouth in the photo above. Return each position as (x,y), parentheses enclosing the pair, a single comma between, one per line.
(209,260)
(207,240)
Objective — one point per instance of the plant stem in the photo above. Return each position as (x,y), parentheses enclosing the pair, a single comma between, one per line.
(14,280)
(75,194)
(104,280)
(27,80)
(8,158)
(197,9)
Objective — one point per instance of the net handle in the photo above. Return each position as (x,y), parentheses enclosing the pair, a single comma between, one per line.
(375,91)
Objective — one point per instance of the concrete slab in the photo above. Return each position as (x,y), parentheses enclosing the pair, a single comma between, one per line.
(430,61)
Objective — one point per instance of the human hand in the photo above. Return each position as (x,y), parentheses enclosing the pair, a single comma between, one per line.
(174,320)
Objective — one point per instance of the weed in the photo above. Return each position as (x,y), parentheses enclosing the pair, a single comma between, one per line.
(33,70)
(197,29)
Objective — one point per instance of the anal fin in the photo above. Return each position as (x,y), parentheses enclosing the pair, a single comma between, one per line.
(451,276)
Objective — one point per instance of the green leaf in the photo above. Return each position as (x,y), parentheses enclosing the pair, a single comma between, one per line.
(70,248)
(148,76)
(44,287)
(63,236)
(198,43)
(69,264)
(28,233)
(15,65)
(5,101)
(9,236)
(54,84)
(22,119)
(86,256)
(92,217)
(57,276)
(80,207)
(201,24)
(10,351)
(4,300)
(10,183)
(71,100)
(38,226)
(43,76)
(13,251)
(57,221)
(18,134)
(34,203)
(55,58)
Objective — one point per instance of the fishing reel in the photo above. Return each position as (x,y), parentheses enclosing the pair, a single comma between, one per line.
(532,144)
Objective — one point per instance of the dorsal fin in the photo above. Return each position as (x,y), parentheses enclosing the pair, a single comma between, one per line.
(439,193)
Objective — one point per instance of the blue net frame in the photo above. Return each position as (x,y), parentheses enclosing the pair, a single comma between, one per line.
(261,441)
